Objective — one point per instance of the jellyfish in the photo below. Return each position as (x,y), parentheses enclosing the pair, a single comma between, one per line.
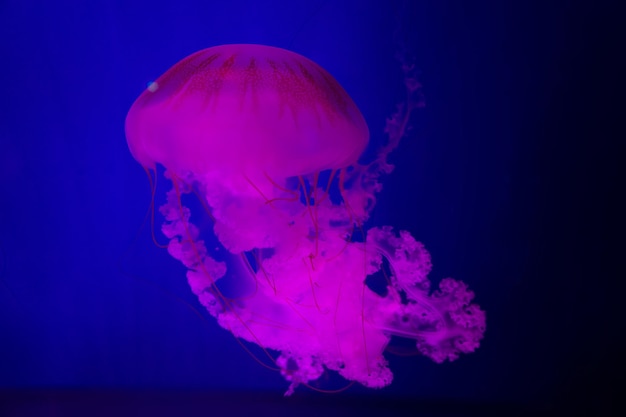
(270,143)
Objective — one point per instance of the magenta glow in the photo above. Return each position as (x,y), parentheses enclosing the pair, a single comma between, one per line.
(270,142)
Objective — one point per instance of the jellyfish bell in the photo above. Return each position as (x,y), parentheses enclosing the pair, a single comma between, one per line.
(250,110)
(253,128)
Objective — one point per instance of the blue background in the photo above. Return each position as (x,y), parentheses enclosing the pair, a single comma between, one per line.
(507,178)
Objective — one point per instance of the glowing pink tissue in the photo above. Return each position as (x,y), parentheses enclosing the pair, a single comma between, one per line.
(270,142)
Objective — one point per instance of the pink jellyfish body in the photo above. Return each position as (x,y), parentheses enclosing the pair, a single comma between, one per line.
(270,142)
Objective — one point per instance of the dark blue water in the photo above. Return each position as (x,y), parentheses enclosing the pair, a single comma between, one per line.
(509,177)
